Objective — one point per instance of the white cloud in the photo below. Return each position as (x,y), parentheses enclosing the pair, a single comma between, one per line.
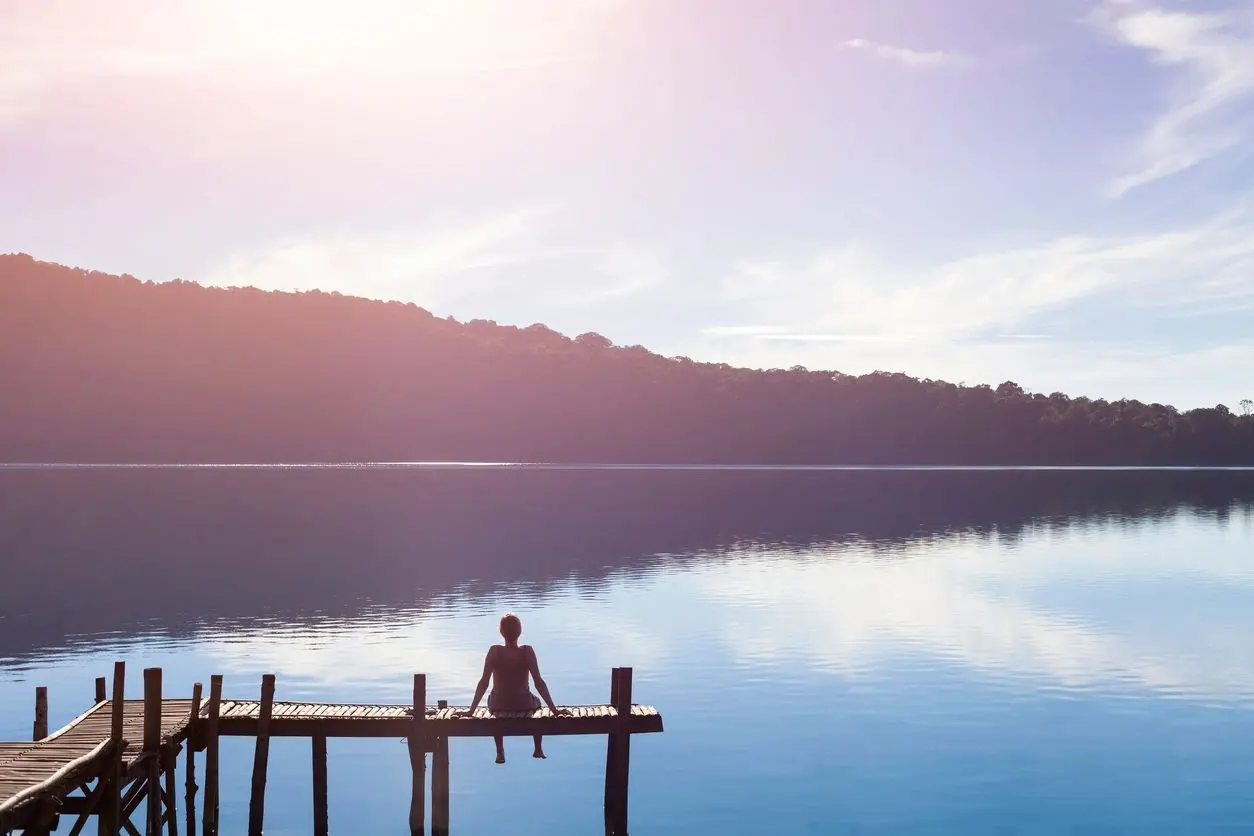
(495,266)
(913,58)
(973,603)
(418,264)
(1212,54)
(847,293)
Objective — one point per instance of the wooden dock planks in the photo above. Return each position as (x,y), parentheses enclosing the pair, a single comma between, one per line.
(238,718)
(29,771)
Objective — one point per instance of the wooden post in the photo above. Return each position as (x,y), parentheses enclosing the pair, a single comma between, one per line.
(611,758)
(618,755)
(109,821)
(418,759)
(261,758)
(210,827)
(102,689)
(152,746)
(191,760)
(623,707)
(40,730)
(439,783)
(171,800)
(321,826)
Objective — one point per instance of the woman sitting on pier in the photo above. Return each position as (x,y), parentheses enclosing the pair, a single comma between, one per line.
(508,665)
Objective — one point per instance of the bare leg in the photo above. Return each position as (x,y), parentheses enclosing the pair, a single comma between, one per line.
(500,748)
(539,752)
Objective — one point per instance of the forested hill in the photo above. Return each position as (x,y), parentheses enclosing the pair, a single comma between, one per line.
(99,368)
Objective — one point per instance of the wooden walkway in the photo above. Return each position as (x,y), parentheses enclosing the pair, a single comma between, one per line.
(76,754)
(116,759)
(296,719)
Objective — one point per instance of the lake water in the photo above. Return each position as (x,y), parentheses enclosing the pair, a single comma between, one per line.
(864,652)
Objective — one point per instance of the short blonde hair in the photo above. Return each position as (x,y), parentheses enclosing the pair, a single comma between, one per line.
(511,626)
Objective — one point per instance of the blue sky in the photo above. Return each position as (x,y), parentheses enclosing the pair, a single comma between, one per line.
(1050,191)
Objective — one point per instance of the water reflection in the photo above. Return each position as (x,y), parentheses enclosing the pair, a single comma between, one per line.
(1012,652)
(1025,572)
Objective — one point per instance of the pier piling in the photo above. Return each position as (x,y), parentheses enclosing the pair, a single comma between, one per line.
(152,748)
(418,758)
(321,824)
(440,781)
(210,821)
(191,764)
(261,757)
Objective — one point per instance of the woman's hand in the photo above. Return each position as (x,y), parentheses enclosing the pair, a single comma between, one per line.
(464,712)
(562,712)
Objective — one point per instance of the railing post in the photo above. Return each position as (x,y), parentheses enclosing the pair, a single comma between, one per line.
(40,729)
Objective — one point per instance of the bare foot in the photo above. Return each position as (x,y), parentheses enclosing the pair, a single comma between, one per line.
(539,753)
(500,757)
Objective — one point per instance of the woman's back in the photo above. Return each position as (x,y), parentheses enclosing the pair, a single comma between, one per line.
(511,668)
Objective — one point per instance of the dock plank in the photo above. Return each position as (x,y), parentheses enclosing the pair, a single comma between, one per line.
(25,768)
(351,720)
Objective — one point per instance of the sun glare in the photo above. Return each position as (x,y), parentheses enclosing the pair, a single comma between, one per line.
(435,34)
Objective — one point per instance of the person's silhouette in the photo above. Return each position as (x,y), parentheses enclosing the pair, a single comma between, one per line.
(508,666)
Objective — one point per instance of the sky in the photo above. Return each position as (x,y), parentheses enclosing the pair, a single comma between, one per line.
(1055,192)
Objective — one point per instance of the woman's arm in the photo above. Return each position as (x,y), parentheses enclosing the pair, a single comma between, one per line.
(482,687)
(534,666)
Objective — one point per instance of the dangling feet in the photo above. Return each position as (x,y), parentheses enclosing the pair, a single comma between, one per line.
(500,757)
(538,753)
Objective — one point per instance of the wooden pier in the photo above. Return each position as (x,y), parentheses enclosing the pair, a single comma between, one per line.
(118,758)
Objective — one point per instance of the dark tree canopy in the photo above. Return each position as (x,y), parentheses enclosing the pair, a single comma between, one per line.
(97,368)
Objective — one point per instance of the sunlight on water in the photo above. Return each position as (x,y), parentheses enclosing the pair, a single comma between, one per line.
(1072,673)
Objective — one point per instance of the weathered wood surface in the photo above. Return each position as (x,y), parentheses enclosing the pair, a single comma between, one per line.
(297,719)
(31,772)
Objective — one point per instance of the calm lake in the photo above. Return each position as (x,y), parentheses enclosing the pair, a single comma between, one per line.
(835,652)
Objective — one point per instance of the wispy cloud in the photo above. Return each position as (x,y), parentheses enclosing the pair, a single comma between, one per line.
(480,267)
(847,293)
(421,263)
(1212,54)
(913,58)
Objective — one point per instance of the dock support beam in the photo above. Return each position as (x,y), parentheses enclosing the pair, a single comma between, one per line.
(171,816)
(418,759)
(191,761)
(102,689)
(152,747)
(40,730)
(618,755)
(210,824)
(439,783)
(321,824)
(261,757)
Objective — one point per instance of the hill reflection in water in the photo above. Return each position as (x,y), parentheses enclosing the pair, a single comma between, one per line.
(125,552)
